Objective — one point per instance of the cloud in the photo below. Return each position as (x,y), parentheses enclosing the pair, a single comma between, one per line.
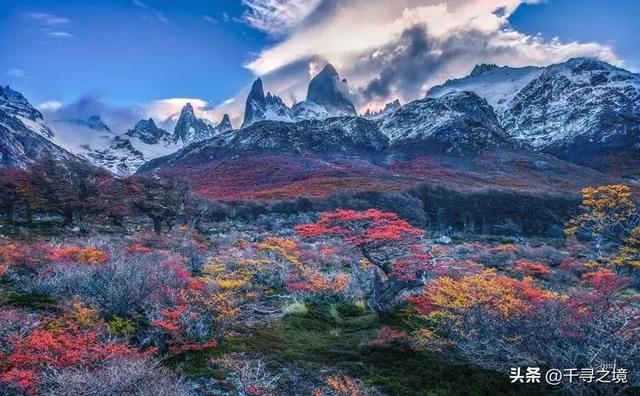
(150,13)
(210,19)
(277,16)
(398,49)
(53,26)
(17,73)
(60,35)
(48,19)
(118,119)
(50,106)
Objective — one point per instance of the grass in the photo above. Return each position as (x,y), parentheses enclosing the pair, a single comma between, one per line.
(10,297)
(335,337)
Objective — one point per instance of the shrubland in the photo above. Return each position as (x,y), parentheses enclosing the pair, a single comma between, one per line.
(144,287)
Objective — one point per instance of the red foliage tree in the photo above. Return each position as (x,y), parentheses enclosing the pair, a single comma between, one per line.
(386,241)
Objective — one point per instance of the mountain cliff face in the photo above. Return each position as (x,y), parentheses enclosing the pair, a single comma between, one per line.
(260,107)
(327,90)
(24,135)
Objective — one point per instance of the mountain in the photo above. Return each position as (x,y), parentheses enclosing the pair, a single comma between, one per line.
(190,129)
(327,96)
(225,125)
(327,90)
(497,85)
(459,123)
(24,134)
(261,107)
(148,132)
(580,110)
(93,122)
(577,110)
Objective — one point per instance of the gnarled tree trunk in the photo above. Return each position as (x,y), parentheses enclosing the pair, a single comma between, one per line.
(385,293)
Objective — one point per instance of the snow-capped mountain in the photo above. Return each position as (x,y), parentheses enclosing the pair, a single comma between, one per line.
(581,110)
(148,132)
(191,129)
(458,123)
(327,96)
(575,110)
(24,135)
(498,85)
(261,107)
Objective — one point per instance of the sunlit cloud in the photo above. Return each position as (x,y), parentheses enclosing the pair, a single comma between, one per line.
(51,105)
(398,49)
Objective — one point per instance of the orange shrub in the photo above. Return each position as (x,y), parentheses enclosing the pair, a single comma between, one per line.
(532,267)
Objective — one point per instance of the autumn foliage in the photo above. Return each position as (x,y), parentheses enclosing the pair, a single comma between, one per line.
(56,348)
(386,241)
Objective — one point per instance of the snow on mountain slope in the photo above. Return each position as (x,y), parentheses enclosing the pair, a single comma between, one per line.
(24,135)
(120,153)
(15,104)
(580,109)
(459,123)
(577,108)
(498,85)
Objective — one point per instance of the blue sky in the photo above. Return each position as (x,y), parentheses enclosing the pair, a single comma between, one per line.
(128,53)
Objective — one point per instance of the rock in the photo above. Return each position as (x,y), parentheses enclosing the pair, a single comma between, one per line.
(443,240)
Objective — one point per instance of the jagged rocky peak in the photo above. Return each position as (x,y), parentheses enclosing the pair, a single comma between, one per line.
(256,104)
(483,68)
(191,129)
(387,109)
(225,125)
(260,107)
(148,132)
(328,90)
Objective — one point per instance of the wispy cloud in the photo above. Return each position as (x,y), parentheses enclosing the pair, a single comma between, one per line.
(210,19)
(150,13)
(16,73)
(59,34)
(49,19)
(54,27)
(277,16)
